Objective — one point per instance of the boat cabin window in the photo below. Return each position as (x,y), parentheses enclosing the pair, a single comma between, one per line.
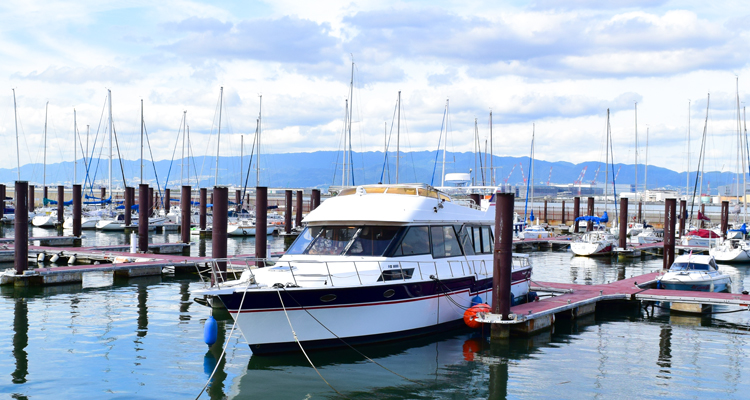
(396,274)
(416,241)
(464,236)
(349,240)
(303,240)
(402,190)
(444,242)
(689,267)
(332,240)
(372,240)
(482,237)
(347,191)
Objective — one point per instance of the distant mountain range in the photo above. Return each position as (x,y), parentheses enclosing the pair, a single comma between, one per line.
(321,169)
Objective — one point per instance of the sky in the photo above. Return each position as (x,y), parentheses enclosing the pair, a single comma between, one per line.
(548,67)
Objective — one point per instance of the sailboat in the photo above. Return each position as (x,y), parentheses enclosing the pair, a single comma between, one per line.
(45,216)
(532,231)
(597,242)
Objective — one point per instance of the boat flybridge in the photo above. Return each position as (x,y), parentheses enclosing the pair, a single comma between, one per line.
(376,262)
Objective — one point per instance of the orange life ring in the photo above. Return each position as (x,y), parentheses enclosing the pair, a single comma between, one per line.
(471,314)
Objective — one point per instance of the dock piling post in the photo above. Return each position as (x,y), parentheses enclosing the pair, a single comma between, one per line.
(143,214)
(502,263)
(475,198)
(670,206)
(683,210)
(576,212)
(77,210)
(45,193)
(238,200)
(590,224)
(31,199)
(298,215)
(640,211)
(150,201)
(724,218)
(623,223)
(60,204)
(21,246)
(563,213)
(261,223)
(2,200)
(703,211)
(219,230)
(185,219)
(128,206)
(103,193)
(546,220)
(316,199)
(203,196)
(167,202)
(288,211)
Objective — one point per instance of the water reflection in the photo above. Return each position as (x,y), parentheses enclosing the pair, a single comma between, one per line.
(20,340)
(665,352)
(215,389)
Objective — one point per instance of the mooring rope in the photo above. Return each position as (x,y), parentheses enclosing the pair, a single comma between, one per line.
(296,339)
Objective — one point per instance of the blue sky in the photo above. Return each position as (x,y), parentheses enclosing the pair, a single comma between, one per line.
(556,64)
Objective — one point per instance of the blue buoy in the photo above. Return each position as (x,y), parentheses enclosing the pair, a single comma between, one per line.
(210,331)
(476,300)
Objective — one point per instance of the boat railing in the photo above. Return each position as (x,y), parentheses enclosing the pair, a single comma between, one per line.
(221,272)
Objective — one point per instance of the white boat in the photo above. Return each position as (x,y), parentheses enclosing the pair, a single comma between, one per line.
(87,221)
(700,238)
(46,217)
(594,243)
(731,250)
(368,267)
(534,232)
(648,236)
(245,227)
(694,272)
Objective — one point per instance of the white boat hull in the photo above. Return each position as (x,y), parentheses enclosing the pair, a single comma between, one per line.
(44,220)
(247,230)
(86,222)
(591,249)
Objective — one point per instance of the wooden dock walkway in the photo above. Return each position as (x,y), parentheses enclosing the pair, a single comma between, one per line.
(577,300)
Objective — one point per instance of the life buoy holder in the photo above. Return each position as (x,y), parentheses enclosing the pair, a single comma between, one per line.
(244,232)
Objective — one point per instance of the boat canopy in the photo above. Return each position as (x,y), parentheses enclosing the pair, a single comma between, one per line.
(47,201)
(704,233)
(603,219)
(404,189)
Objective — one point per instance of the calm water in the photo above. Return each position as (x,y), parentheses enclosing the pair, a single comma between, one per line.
(143,338)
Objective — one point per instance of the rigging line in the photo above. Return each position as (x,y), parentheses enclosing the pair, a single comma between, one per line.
(411,153)
(226,344)
(612,157)
(388,144)
(145,131)
(701,160)
(174,151)
(347,344)
(192,156)
(300,344)
(93,150)
(249,170)
(341,146)
(211,132)
(119,157)
(440,138)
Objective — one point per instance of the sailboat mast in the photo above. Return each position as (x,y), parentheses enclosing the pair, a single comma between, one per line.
(182,158)
(492,168)
(18,153)
(636,151)
(260,124)
(531,176)
(744,173)
(645,178)
(111,125)
(398,137)
(242,155)
(606,168)
(703,150)
(44,169)
(351,104)
(739,143)
(742,141)
(687,183)
(142,141)
(344,171)
(445,143)
(473,178)
(218,138)
(75,150)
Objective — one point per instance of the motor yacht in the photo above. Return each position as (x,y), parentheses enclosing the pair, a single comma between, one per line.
(694,272)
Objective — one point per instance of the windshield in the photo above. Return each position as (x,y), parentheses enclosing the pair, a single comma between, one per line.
(689,266)
(349,240)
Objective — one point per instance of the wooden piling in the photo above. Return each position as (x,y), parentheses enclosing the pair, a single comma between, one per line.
(576,212)
(60,204)
(563,213)
(143,214)
(546,220)
(724,218)
(128,203)
(30,201)
(683,210)
(316,199)
(670,206)
(288,211)
(623,239)
(2,199)
(167,200)
(21,244)
(502,263)
(77,199)
(202,207)
(590,224)
(185,217)
(261,223)
(298,215)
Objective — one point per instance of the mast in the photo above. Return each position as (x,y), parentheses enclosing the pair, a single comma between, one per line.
(351,104)
(445,143)
(18,153)
(742,152)
(218,139)
(473,178)
(739,143)
(492,170)
(645,179)
(687,183)
(75,151)
(242,154)
(531,176)
(111,125)
(744,120)
(188,151)
(344,174)
(636,151)
(703,149)
(44,170)
(606,168)
(182,158)
(260,123)
(398,137)
(142,146)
